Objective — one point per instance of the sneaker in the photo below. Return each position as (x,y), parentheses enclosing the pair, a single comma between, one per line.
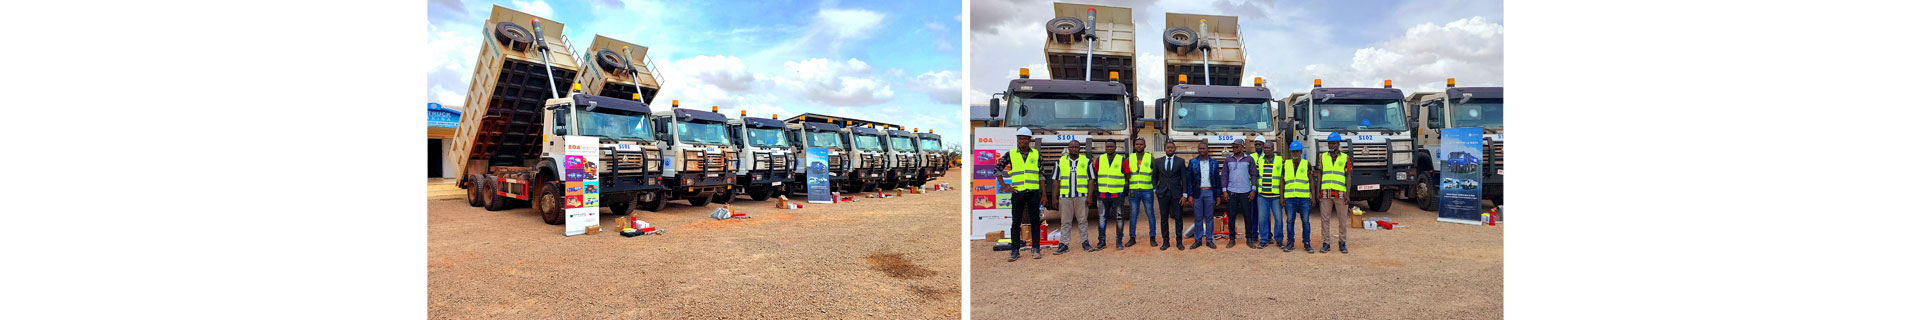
(1037,255)
(1287,248)
(1063,249)
(1016,256)
(1324,247)
(1101,246)
(1309,246)
(1130,242)
(1231,241)
(1163,247)
(1343,247)
(1085,247)
(1152,242)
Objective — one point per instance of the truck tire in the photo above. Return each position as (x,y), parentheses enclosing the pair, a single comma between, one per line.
(623,208)
(762,195)
(610,60)
(512,35)
(659,202)
(1426,194)
(550,205)
(723,197)
(1180,38)
(473,192)
(1382,202)
(495,202)
(1066,29)
(699,201)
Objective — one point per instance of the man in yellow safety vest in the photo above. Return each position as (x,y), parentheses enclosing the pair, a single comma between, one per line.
(1299,198)
(1022,169)
(1073,173)
(1333,169)
(1140,191)
(1267,202)
(1112,182)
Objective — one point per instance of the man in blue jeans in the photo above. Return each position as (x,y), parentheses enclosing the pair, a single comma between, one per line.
(1267,193)
(1203,183)
(1298,197)
(1140,192)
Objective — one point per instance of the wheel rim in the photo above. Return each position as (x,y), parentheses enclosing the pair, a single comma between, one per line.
(549,203)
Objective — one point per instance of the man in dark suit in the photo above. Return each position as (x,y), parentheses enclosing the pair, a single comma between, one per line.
(1170,187)
(1204,185)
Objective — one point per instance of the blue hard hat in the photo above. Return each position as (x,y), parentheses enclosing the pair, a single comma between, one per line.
(1333,136)
(1294,147)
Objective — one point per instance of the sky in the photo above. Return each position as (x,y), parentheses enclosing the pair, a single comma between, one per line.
(888,61)
(1417,44)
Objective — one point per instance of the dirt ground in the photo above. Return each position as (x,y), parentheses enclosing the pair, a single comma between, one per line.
(1426,270)
(876,258)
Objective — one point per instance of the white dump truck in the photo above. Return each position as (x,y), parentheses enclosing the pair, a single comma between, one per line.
(1458,107)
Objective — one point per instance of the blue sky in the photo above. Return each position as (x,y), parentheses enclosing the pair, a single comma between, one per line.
(1418,44)
(888,61)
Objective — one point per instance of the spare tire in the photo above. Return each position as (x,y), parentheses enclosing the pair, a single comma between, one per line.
(610,60)
(1066,29)
(1180,37)
(512,35)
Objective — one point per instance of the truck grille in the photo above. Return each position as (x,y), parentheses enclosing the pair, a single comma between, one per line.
(1369,155)
(1495,155)
(632,163)
(905,160)
(698,161)
(833,163)
(764,161)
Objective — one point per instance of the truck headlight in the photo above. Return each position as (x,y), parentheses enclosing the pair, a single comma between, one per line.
(1402,158)
(1402,145)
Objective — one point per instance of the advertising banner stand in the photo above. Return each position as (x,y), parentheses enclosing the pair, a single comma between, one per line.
(818,185)
(582,169)
(990,211)
(1459,161)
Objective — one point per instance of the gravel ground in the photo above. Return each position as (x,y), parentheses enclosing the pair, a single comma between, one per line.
(877,258)
(1427,270)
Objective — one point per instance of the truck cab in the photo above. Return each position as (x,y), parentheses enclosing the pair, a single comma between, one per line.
(903,159)
(1063,111)
(804,135)
(699,159)
(867,161)
(1374,133)
(767,165)
(630,156)
(1211,112)
(934,162)
(1459,107)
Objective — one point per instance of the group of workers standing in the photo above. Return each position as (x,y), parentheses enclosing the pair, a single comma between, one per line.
(1266,191)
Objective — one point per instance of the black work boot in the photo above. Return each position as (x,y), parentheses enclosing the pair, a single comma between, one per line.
(1084,246)
(1210,245)
(1103,243)
(1287,247)
(1196,244)
(1063,249)
(1343,246)
(1308,245)
(1163,244)
(1231,241)
(1152,242)
(1324,247)
(1130,241)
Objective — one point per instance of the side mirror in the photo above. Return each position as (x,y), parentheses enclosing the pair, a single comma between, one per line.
(993,107)
(1297,126)
(1139,109)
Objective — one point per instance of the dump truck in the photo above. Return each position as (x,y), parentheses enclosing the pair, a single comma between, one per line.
(1457,107)
(618,69)
(903,159)
(820,133)
(700,158)
(767,169)
(934,160)
(1374,133)
(1082,42)
(867,161)
(510,145)
(1214,112)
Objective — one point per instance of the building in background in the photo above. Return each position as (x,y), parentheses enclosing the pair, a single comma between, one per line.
(441,121)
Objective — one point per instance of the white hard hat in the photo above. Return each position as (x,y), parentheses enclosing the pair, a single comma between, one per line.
(1260,138)
(1024,132)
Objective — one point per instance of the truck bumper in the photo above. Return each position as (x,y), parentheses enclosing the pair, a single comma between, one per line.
(1387,180)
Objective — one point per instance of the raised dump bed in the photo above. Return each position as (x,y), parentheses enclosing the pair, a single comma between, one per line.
(510,85)
(1225,60)
(1113,36)
(611,70)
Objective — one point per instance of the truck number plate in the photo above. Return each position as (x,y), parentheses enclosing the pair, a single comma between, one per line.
(1364,137)
(776,183)
(1366,187)
(713,175)
(1500,172)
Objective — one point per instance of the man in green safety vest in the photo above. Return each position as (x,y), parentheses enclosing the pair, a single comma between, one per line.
(1073,173)
(1267,189)
(1111,176)
(1299,197)
(1022,168)
(1333,170)
(1140,191)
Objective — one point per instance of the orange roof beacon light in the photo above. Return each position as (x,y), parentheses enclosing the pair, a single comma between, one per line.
(1449,82)
(1389,83)
(576,87)
(676,104)
(1183,79)
(1023,73)
(1113,75)
(776,116)
(743,113)
(1316,83)
(1258,82)
(636,96)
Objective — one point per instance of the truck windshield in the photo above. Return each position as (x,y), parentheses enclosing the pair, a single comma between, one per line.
(767,137)
(866,142)
(901,144)
(1484,115)
(1222,116)
(927,145)
(824,139)
(1360,115)
(612,126)
(1103,112)
(709,133)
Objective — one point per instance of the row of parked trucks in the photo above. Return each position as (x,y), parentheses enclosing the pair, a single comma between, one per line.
(1392,138)
(529,94)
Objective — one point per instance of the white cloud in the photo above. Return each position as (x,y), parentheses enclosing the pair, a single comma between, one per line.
(1468,49)
(850,23)
(943,86)
(537,7)
(721,71)
(833,82)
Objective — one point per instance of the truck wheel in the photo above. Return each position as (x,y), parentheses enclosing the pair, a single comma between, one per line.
(1425,194)
(723,197)
(1381,202)
(1180,38)
(1066,29)
(473,192)
(699,201)
(762,195)
(495,202)
(659,202)
(549,204)
(512,35)
(611,60)
(623,208)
